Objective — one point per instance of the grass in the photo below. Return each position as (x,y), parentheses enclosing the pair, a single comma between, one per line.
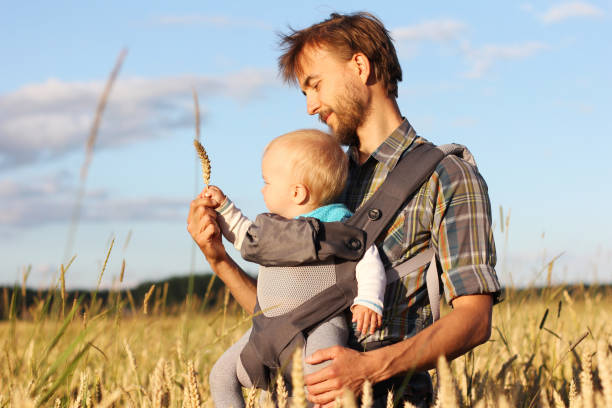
(550,346)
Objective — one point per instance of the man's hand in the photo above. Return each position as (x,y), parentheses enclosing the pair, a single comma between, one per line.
(465,327)
(347,371)
(203,228)
(366,318)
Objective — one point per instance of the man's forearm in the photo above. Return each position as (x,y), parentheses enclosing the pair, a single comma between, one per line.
(241,285)
(467,326)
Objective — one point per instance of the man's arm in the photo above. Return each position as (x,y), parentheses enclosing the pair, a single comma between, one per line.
(465,327)
(203,227)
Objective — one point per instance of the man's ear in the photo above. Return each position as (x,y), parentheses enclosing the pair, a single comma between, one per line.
(361,63)
(300,194)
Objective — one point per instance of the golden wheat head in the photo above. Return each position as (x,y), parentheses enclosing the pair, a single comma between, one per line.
(205,161)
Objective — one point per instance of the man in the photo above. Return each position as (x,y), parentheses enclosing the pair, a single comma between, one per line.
(348,70)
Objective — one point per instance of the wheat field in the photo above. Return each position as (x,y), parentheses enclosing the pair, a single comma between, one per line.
(549,347)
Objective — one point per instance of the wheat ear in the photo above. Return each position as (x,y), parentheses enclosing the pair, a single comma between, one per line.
(192,385)
(446,391)
(205,161)
(281,392)
(367,398)
(146,299)
(348,399)
(605,374)
(586,380)
(297,380)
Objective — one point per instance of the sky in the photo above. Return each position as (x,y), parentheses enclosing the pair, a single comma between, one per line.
(525,85)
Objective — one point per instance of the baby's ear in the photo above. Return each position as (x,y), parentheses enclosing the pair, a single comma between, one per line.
(300,194)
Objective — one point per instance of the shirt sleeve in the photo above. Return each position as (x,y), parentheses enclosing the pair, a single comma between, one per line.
(371,281)
(233,224)
(461,232)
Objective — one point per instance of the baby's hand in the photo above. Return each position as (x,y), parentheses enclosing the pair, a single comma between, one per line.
(366,318)
(214,194)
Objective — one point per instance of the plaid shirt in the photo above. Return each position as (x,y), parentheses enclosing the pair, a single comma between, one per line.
(450,212)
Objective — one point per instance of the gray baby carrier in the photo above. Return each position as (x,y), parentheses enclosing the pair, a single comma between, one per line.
(310,242)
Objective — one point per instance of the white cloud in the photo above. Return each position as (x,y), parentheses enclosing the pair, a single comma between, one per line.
(447,31)
(46,120)
(207,20)
(441,30)
(21,204)
(483,58)
(568,10)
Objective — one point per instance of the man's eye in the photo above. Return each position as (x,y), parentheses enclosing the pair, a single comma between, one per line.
(316,86)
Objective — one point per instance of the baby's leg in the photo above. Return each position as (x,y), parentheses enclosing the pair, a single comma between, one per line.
(331,333)
(225,388)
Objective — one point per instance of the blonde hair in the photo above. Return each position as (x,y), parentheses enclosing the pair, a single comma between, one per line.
(316,160)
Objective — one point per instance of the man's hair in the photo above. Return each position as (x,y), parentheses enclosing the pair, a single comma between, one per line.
(344,35)
(316,160)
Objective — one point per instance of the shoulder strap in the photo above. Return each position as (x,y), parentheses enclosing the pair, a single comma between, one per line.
(431,276)
(412,170)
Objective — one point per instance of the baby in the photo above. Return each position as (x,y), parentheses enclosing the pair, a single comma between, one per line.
(303,172)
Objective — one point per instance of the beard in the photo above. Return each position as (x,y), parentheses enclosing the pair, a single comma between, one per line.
(351,111)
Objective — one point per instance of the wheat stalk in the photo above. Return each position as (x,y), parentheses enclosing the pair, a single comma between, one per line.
(574,398)
(205,161)
(348,399)
(146,299)
(446,391)
(367,398)
(389,399)
(586,380)
(97,391)
(605,374)
(161,391)
(130,357)
(110,400)
(297,380)
(281,392)
(250,402)
(63,292)
(196,142)
(558,400)
(122,271)
(89,148)
(192,385)
(544,403)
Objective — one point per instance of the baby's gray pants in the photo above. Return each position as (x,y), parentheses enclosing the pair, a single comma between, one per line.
(228,375)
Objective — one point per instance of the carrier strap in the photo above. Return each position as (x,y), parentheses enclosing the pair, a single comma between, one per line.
(409,174)
(431,276)
(412,170)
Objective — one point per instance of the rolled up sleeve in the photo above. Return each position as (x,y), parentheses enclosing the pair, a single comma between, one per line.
(462,233)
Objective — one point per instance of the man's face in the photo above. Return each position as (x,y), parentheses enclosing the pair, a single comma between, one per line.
(333,91)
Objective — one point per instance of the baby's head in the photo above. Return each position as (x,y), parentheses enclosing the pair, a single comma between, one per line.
(302,170)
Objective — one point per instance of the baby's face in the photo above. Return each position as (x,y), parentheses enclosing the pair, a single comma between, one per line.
(277,177)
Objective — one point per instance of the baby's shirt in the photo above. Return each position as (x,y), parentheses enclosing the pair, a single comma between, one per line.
(370,273)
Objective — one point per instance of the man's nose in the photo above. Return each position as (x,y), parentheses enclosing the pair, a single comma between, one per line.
(312,104)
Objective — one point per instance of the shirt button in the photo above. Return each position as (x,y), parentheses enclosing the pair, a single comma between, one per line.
(374,214)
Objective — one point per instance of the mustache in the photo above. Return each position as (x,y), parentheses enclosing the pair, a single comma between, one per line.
(323,115)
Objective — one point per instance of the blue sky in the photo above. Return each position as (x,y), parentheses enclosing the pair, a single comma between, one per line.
(526,86)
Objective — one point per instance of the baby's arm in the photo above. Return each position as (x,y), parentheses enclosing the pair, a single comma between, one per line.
(371,283)
(233,223)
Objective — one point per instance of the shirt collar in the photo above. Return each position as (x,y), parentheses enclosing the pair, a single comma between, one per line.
(390,151)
